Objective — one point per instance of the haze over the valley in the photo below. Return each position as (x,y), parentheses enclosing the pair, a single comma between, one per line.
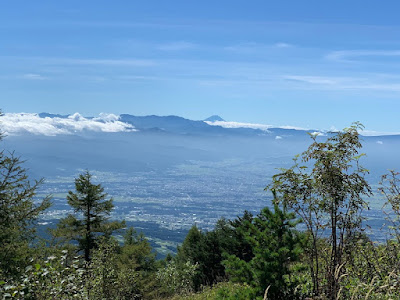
(167,173)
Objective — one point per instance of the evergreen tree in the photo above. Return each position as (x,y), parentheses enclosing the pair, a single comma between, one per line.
(193,250)
(18,212)
(137,266)
(137,253)
(92,211)
(239,245)
(276,246)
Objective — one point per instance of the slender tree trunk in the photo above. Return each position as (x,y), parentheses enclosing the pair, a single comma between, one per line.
(333,279)
(316,285)
(88,235)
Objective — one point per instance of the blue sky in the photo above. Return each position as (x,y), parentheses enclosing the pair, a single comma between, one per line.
(313,64)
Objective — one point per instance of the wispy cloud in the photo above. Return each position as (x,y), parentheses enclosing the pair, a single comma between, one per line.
(63,61)
(212,73)
(32,76)
(347,83)
(256,47)
(19,123)
(312,79)
(352,55)
(105,62)
(177,46)
(283,45)
(138,77)
(267,128)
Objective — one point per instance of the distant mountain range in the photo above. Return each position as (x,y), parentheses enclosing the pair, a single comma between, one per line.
(179,125)
(212,126)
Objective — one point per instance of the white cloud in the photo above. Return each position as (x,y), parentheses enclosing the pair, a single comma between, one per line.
(318,133)
(106,117)
(377,133)
(379,142)
(18,123)
(333,129)
(249,125)
(278,137)
(239,125)
(290,127)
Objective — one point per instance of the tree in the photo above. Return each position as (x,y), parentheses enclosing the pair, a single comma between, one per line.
(193,250)
(329,197)
(276,246)
(137,253)
(136,262)
(239,244)
(18,212)
(390,188)
(92,212)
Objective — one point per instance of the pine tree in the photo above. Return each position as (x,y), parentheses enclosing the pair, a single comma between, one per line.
(276,247)
(90,221)
(18,212)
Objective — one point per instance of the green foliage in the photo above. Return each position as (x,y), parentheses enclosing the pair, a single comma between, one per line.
(203,250)
(136,253)
(390,188)
(329,196)
(231,235)
(206,249)
(264,257)
(90,221)
(18,213)
(276,246)
(176,277)
(193,251)
(51,279)
(105,277)
(373,272)
(136,258)
(122,272)
(222,291)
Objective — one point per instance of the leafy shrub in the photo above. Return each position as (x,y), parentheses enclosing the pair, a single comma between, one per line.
(177,278)
(222,291)
(53,279)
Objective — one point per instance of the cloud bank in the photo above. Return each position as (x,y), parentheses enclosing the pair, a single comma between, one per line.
(263,127)
(239,125)
(19,123)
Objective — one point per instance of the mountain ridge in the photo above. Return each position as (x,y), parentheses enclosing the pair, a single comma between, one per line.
(54,124)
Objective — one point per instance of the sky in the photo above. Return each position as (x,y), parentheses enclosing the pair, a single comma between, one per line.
(309,64)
